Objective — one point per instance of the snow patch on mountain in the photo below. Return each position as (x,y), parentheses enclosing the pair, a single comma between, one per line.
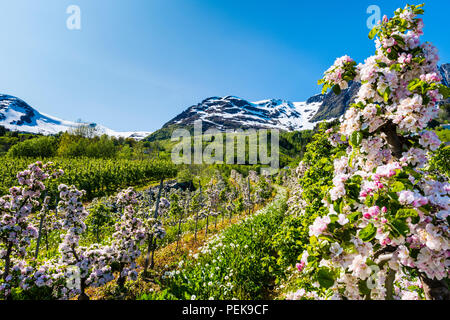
(17,115)
(232,112)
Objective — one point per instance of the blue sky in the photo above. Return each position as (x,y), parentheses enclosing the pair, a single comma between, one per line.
(135,64)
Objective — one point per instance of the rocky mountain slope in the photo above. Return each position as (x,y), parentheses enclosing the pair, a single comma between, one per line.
(232,113)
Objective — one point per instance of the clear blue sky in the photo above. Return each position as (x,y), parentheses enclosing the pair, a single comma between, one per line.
(135,64)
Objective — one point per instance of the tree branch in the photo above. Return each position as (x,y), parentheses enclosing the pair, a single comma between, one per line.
(395,142)
(381,260)
(434,289)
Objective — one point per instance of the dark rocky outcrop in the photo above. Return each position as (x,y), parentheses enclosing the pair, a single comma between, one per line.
(445,73)
(333,106)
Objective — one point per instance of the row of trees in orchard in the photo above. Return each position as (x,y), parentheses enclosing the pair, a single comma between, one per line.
(58,254)
(28,277)
(382,229)
(81,141)
(98,177)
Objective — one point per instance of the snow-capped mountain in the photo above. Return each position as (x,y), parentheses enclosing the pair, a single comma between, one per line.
(231,112)
(17,115)
(222,113)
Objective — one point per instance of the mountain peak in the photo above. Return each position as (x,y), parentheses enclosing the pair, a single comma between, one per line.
(231,112)
(17,115)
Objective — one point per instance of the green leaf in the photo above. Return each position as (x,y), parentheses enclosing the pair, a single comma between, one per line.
(348,78)
(325,277)
(405,213)
(404,23)
(360,105)
(418,60)
(426,208)
(352,217)
(311,259)
(341,207)
(393,54)
(368,233)
(362,286)
(398,38)
(333,218)
(341,154)
(348,247)
(350,160)
(396,67)
(414,253)
(444,90)
(373,32)
(337,205)
(414,84)
(370,262)
(386,94)
(324,237)
(400,226)
(356,138)
(397,186)
(336,89)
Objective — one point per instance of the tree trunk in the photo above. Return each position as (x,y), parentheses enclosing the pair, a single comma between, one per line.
(179,222)
(394,141)
(46,240)
(83,295)
(152,258)
(121,279)
(155,215)
(7,267)
(215,221)
(389,284)
(434,289)
(38,242)
(7,259)
(196,225)
(207,224)
(249,202)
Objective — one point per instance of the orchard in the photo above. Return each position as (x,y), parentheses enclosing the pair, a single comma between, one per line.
(362,215)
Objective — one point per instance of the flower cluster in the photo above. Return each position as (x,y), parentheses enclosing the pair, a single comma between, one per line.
(386,217)
(93,263)
(339,74)
(130,234)
(16,231)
